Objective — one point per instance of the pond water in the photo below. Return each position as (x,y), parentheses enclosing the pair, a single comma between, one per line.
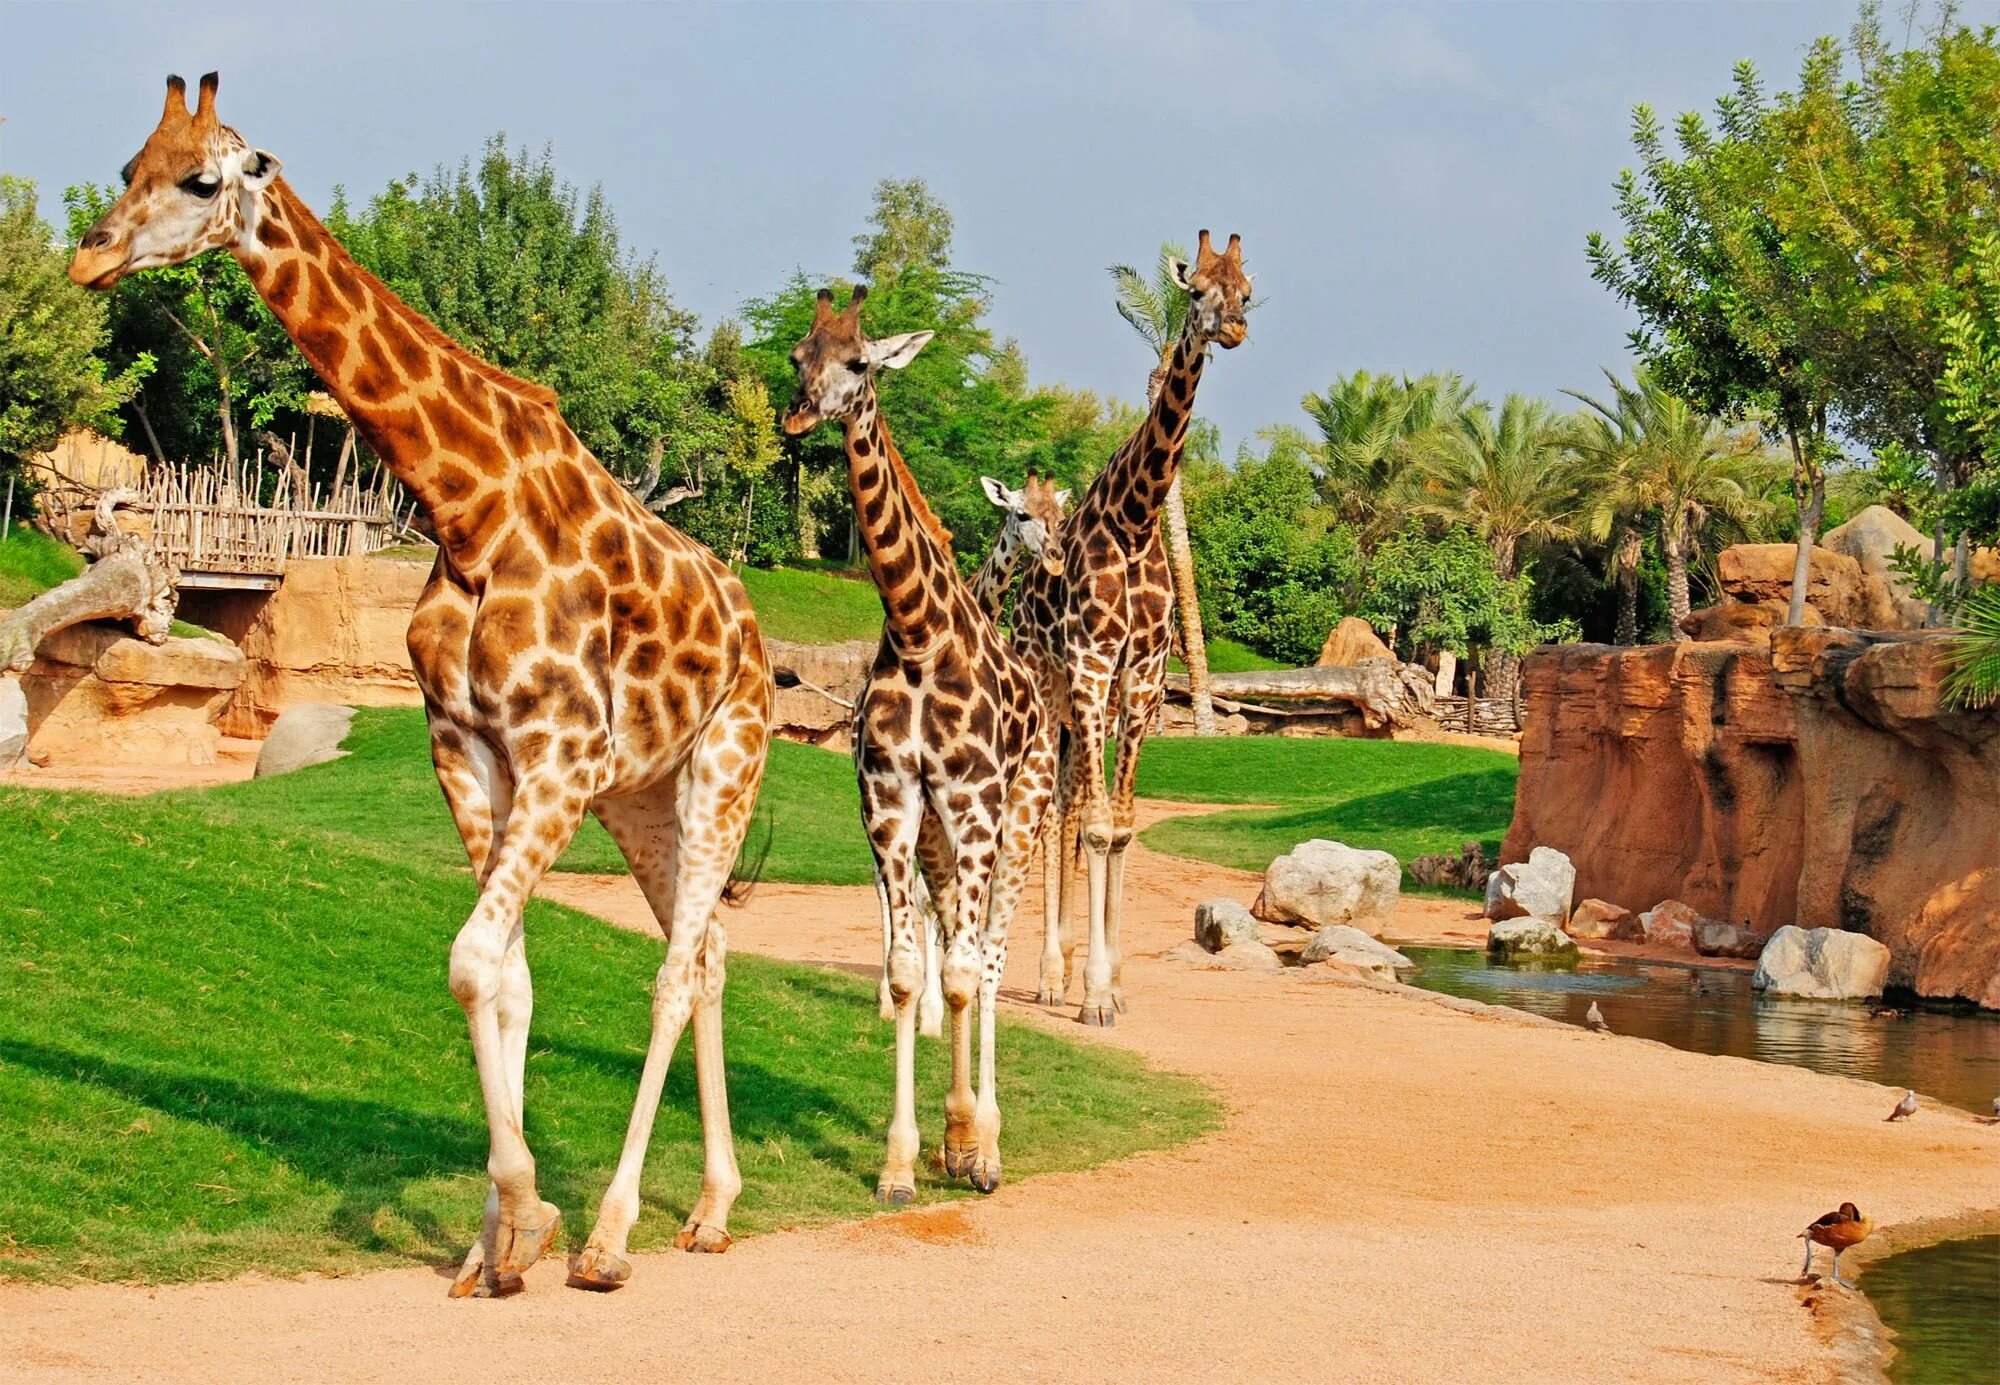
(1952,1055)
(1959,1345)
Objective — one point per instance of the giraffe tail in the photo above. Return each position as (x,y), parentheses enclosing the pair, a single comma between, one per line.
(749,868)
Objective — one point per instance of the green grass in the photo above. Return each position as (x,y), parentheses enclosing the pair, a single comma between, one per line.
(1230,656)
(809,606)
(226,1045)
(31,562)
(1396,796)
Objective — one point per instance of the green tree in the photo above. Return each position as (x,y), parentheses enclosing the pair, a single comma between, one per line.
(910,229)
(1372,430)
(1444,592)
(52,378)
(1659,457)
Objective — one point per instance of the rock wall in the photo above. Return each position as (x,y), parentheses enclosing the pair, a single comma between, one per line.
(95,693)
(1821,783)
(335,630)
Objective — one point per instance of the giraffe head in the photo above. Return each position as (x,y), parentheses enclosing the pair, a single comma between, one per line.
(1218,292)
(192,188)
(1033,514)
(836,364)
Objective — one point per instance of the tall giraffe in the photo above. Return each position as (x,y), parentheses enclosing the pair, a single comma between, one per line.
(1101,625)
(575,653)
(955,756)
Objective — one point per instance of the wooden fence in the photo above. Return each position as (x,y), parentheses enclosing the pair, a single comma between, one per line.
(209,519)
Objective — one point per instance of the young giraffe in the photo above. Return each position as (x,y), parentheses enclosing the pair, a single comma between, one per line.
(575,654)
(1101,626)
(954,754)
(1031,515)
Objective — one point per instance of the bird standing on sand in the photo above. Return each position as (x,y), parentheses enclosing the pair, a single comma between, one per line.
(1905,1108)
(1594,1017)
(1837,1231)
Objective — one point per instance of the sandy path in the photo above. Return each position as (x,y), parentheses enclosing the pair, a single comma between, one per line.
(1402,1191)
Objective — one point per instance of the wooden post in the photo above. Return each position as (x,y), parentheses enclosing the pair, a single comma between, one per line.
(7,522)
(1471,701)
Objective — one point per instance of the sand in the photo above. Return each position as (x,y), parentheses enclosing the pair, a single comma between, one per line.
(1402,1191)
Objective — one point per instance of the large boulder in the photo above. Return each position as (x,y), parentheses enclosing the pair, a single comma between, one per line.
(308,734)
(1741,622)
(96,694)
(1540,887)
(1340,942)
(1670,923)
(1349,642)
(1321,882)
(1822,964)
(1599,919)
(1527,937)
(1249,955)
(13,721)
(1714,938)
(1870,538)
(1220,923)
(1836,586)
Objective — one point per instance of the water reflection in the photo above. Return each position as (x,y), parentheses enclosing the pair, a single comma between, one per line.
(1953,1056)
(1943,1303)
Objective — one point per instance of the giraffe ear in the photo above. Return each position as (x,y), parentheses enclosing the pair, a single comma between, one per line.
(1001,497)
(259,169)
(897,352)
(1062,500)
(1179,269)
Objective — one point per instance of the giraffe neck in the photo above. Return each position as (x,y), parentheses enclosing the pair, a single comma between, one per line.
(1135,481)
(452,428)
(995,577)
(909,550)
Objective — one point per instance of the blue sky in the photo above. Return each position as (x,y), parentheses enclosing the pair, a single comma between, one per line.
(1413,183)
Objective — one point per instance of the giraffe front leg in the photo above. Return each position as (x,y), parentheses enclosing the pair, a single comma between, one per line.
(891,807)
(936,901)
(960,981)
(1092,689)
(1058,836)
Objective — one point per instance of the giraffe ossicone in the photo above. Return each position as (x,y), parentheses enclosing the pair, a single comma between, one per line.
(576,655)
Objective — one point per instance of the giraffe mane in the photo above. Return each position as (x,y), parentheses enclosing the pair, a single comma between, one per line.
(426,331)
(920,506)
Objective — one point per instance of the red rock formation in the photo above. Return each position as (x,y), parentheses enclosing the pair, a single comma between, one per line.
(1349,642)
(1821,783)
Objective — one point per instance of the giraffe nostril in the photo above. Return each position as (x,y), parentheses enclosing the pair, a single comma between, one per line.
(97,240)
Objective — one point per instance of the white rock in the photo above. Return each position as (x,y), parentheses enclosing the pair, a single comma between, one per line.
(1539,887)
(1221,923)
(1527,937)
(13,721)
(1340,942)
(1249,955)
(1822,964)
(308,734)
(1321,882)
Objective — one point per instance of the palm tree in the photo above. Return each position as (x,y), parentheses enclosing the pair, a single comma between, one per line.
(1974,680)
(1157,307)
(1660,457)
(1510,477)
(1372,430)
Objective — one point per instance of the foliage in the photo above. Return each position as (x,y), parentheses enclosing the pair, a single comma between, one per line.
(1974,680)
(911,230)
(51,377)
(1510,476)
(31,562)
(1154,304)
(197,1129)
(1373,429)
(1447,593)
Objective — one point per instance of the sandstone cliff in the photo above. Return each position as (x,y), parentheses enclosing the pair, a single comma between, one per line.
(1822,782)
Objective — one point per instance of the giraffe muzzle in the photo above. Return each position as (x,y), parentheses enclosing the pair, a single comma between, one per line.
(800,418)
(99,261)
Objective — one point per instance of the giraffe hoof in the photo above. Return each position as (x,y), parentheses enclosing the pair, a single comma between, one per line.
(477,1281)
(1118,1001)
(986,1175)
(521,1246)
(895,1194)
(1098,1016)
(598,1269)
(960,1159)
(699,1238)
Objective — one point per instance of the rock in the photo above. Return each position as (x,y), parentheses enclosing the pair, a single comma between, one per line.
(1714,938)
(1822,964)
(308,734)
(1870,538)
(1249,955)
(1670,923)
(1321,882)
(1598,919)
(13,722)
(1220,923)
(1351,641)
(1342,943)
(1540,887)
(1836,586)
(95,693)
(1527,937)
(1741,622)
(1466,871)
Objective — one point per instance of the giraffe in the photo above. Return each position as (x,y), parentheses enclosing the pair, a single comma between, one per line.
(1100,623)
(1032,514)
(575,654)
(955,757)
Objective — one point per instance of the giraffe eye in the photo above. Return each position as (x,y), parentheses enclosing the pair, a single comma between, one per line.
(859,367)
(200,185)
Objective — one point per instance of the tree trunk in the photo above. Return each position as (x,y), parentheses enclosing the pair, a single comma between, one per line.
(146,422)
(122,583)
(1180,554)
(1503,666)
(1809,490)
(1630,549)
(1673,540)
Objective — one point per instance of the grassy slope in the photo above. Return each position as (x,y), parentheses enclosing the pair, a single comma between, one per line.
(1394,796)
(31,562)
(226,1044)
(806,606)
(1228,656)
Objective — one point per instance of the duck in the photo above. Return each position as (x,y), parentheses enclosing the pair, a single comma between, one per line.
(1904,1108)
(1838,1230)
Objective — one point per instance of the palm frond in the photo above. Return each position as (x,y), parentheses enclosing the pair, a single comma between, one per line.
(1974,652)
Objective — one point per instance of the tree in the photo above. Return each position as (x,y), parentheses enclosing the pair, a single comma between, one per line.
(1660,457)
(912,230)
(52,378)
(1156,306)
(1372,430)
(1445,593)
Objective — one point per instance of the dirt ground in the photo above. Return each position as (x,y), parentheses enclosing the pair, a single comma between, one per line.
(1402,1191)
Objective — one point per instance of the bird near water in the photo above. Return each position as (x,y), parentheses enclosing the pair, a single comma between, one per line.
(1904,1108)
(1594,1017)
(1837,1231)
